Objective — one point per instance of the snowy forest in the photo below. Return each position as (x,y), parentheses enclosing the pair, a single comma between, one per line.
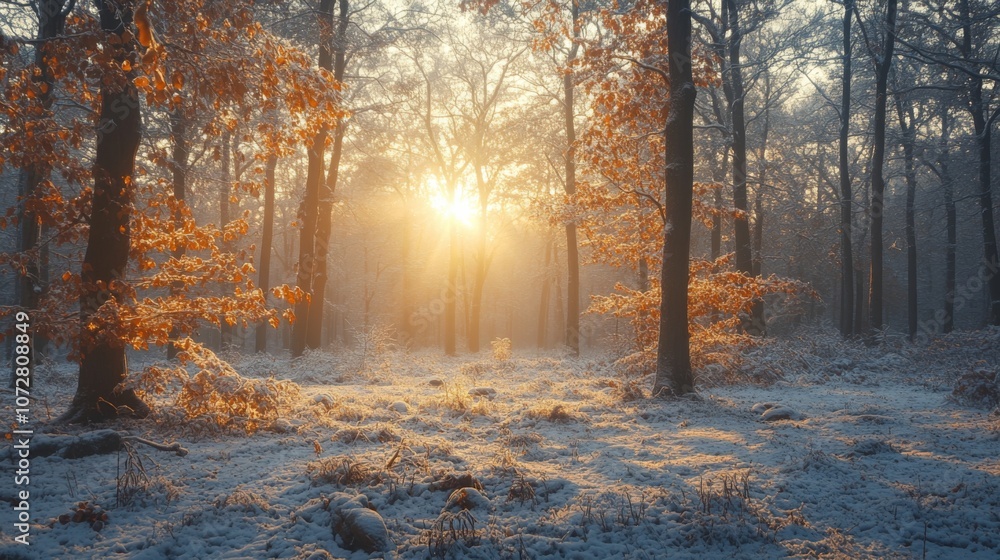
(492,279)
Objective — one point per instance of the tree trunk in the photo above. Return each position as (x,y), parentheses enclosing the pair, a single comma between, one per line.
(859,288)
(560,316)
(451,293)
(476,310)
(846,196)
(481,263)
(324,221)
(406,331)
(572,248)
(948,189)
(225,192)
(981,123)
(543,306)
(29,286)
(757,317)
(876,304)
(908,140)
(266,241)
(310,210)
(673,358)
(719,177)
(103,365)
(741,224)
(178,169)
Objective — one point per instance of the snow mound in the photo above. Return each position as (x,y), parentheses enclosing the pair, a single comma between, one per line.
(772,412)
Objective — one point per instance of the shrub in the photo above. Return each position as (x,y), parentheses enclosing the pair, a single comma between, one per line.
(217,393)
(502,349)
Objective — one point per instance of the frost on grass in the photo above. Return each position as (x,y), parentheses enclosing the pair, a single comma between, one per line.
(567,459)
(216,396)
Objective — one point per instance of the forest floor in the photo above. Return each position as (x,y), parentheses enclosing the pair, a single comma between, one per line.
(877,459)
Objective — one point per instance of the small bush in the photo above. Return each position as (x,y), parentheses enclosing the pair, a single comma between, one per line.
(370,354)
(980,387)
(450,528)
(132,477)
(553,412)
(217,393)
(502,349)
(249,502)
(522,491)
(455,398)
(343,471)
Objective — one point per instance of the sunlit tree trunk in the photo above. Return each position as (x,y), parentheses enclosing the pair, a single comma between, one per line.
(451,292)
(719,177)
(102,365)
(673,358)
(543,306)
(405,330)
(178,169)
(29,286)
(225,192)
(479,282)
(309,214)
(572,248)
(560,316)
(266,242)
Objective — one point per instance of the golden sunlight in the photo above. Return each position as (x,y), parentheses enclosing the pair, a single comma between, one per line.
(459,206)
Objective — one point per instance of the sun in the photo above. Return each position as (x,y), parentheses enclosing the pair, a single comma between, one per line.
(458,207)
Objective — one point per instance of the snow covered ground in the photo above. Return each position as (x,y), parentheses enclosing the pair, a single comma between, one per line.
(876,460)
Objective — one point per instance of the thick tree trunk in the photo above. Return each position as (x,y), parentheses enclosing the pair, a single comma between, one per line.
(846,196)
(324,221)
(981,123)
(266,241)
(673,358)
(178,169)
(307,257)
(990,256)
(102,365)
(309,214)
(876,300)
